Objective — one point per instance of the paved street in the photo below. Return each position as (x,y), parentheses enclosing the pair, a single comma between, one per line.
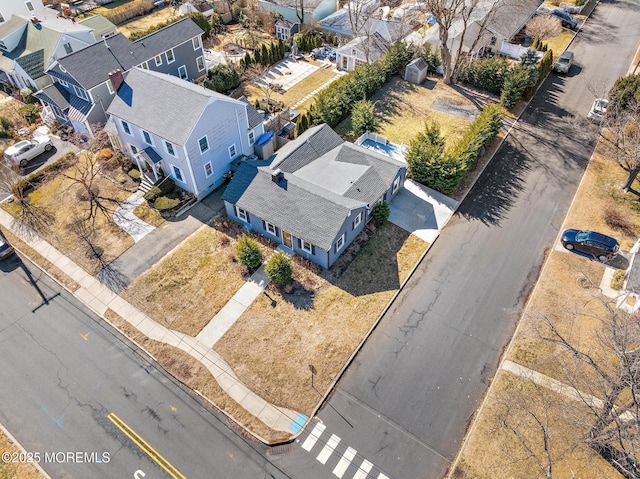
(72,384)
(406,400)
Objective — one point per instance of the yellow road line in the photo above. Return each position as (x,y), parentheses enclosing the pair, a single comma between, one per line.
(144,445)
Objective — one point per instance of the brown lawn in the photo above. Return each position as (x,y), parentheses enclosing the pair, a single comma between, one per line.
(187,288)
(141,24)
(14,467)
(321,322)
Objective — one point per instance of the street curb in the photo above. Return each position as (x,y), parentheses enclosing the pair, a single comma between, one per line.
(23,450)
(503,357)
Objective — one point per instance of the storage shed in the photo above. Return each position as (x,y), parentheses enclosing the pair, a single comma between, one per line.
(416,71)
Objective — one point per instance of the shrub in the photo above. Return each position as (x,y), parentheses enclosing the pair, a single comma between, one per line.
(163,203)
(432,57)
(121,179)
(487,74)
(134,174)
(363,117)
(515,84)
(380,213)
(223,78)
(425,153)
(30,113)
(618,279)
(278,268)
(152,194)
(624,90)
(248,252)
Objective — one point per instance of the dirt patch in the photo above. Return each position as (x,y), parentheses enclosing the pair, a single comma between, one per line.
(320,322)
(463,111)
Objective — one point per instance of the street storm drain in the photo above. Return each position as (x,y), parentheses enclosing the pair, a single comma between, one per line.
(277,450)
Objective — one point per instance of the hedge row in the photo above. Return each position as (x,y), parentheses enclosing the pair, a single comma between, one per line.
(34,179)
(335,102)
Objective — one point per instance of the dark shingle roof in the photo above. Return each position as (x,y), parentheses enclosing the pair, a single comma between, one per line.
(32,63)
(325,179)
(91,65)
(162,104)
(55,93)
(255,117)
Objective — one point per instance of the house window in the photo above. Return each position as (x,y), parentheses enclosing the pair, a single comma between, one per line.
(271,229)
(81,93)
(242,214)
(68,48)
(29,6)
(110,87)
(177,172)
(196,43)
(147,137)
(144,66)
(396,185)
(182,72)
(204,144)
(169,55)
(340,242)
(232,151)
(251,138)
(125,127)
(208,170)
(357,221)
(134,150)
(200,63)
(158,60)
(304,246)
(169,147)
(63,83)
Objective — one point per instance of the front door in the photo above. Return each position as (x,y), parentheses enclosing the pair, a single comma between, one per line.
(286,239)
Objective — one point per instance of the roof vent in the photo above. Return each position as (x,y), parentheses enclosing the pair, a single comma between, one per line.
(277,176)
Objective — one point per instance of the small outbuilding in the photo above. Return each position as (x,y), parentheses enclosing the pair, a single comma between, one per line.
(416,71)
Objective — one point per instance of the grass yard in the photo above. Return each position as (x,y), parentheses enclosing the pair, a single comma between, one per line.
(560,297)
(187,288)
(60,199)
(296,93)
(321,322)
(560,43)
(404,108)
(15,469)
(141,24)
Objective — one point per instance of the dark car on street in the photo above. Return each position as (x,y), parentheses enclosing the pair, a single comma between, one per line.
(589,243)
(5,248)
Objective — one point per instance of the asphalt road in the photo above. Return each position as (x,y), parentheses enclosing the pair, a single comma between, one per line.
(406,400)
(70,384)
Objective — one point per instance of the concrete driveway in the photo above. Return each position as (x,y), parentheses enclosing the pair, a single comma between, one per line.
(421,210)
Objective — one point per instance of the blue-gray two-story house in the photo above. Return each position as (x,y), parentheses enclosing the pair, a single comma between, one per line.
(315,195)
(81,91)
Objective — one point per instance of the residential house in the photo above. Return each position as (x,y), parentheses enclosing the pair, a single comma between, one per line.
(375,34)
(102,28)
(286,29)
(197,6)
(315,195)
(489,28)
(172,127)
(30,43)
(416,71)
(314,10)
(81,92)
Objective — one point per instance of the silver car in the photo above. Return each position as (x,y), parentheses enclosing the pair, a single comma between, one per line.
(598,110)
(5,248)
(24,151)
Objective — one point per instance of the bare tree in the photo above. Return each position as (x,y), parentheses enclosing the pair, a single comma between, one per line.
(621,140)
(543,27)
(456,17)
(299,6)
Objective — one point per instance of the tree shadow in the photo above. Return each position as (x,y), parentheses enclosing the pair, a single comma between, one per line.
(301,297)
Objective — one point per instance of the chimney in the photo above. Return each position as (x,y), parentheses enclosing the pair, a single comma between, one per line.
(277,176)
(116,79)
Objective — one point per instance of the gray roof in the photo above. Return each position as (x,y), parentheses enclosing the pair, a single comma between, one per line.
(54,93)
(418,63)
(91,65)
(162,104)
(255,117)
(325,179)
(339,23)
(99,24)
(11,25)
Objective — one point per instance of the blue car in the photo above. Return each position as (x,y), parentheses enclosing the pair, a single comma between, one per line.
(589,243)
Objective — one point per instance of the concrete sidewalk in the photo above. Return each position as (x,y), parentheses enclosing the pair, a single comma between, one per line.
(99,298)
(128,221)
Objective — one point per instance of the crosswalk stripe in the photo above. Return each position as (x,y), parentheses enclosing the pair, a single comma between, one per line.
(328,449)
(382,476)
(313,437)
(364,470)
(344,462)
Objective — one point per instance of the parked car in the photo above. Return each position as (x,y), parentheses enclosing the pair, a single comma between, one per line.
(564,62)
(567,20)
(26,150)
(5,248)
(589,243)
(598,110)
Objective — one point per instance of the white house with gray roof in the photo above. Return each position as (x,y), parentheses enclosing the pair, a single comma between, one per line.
(173,127)
(81,91)
(315,195)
